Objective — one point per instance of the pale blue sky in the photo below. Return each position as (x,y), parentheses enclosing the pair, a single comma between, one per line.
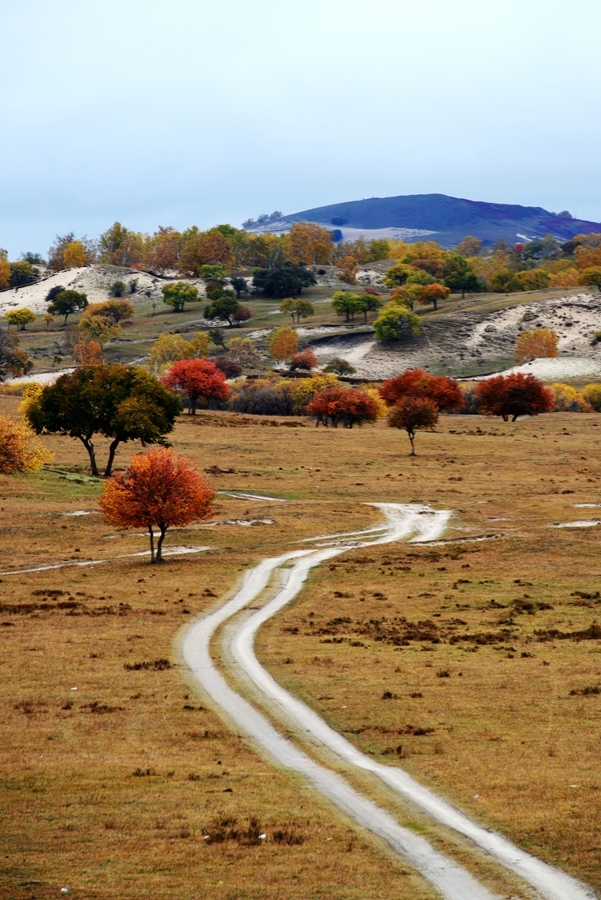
(181,112)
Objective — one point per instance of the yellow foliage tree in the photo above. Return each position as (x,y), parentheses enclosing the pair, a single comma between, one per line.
(170,347)
(4,271)
(75,255)
(283,343)
(566,278)
(564,396)
(592,395)
(309,243)
(536,344)
(20,449)
(305,388)
(244,352)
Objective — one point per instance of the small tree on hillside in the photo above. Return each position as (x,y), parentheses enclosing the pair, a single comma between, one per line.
(13,362)
(283,343)
(433,293)
(305,359)
(339,366)
(197,379)
(346,304)
(224,308)
(20,317)
(20,450)
(396,323)
(540,343)
(157,490)
(413,414)
(513,395)
(66,303)
(298,309)
(178,294)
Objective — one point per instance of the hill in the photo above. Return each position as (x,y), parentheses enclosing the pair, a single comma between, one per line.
(439,217)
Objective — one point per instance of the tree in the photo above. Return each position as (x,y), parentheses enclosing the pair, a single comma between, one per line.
(433,293)
(306,359)
(157,489)
(122,404)
(309,243)
(459,276)
(405,294)
(242,314)
(197,379)
(348,270)
(35,259)
(20,317)
(244,352)
(534,280)
(223,309)
(565,397)
(369,301)
(345,406)
(112,240)
(22,273)
(75,255)
(170,347)
(112,311)
(282,343)
(13,362)
(536,344)
(20,450)
(413,414)
(88,353)
(285,281)
(216,337)
(513,395)
(591,275)
(442,391)
(346,304)
(395,323)
(240,286)
(301,309)
(48,319)
(339,367)
(505,282)
(469,246)
(592,395)
(178,294)
(4,270)
(228,365)
(67,302)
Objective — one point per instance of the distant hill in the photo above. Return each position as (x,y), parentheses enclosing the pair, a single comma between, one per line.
(434,216)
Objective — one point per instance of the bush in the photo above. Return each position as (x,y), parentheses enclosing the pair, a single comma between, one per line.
(20,450)
(342,406)
(264,397)
(592,395)
(118,288)
(339,367)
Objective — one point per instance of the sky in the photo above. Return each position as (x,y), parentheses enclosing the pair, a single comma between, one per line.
(182,112)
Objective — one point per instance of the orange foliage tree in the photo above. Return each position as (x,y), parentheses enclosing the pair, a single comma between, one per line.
(441,390)
(344,406)
(413,414)
(309,243)
(348,270)
(513,395)
(433,293)
(536,344)
(158,489)
(283,343)
(197,379)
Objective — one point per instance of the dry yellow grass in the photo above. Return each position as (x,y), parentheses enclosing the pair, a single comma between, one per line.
(74,813)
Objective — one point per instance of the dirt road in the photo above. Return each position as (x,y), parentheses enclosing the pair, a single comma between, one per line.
(452,881)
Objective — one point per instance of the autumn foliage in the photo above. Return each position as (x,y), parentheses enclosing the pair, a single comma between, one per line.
(442,391)
(413,413)
(513,395)
(20,450)
(536,344)
(157,490)
(197,379)
(342,406)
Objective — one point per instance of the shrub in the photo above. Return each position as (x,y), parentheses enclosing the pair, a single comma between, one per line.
(20,450)
(345,406)
(592,395)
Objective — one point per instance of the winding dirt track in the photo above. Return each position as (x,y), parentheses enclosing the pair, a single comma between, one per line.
(452,881)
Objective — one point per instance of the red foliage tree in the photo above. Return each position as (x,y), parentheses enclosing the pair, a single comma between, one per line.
(230,367)
(444,392)
(513,395)
(344,406)
(242,314)
(197,379)
(158,489)
(413,414)
(306,359)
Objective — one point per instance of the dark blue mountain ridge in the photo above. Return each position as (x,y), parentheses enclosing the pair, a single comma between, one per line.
(448,219)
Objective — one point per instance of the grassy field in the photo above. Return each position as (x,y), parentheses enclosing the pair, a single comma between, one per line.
(474,664)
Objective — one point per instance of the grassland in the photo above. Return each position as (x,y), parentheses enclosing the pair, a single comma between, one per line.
(475,665)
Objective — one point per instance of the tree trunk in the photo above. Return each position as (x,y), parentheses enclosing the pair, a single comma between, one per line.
(151,543)
(412,439)
(159,556)
(91,453)
(112,451)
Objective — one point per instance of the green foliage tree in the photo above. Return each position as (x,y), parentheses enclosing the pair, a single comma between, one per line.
(368,302)
(22,273)
(460,277)
(338,366)
(298,309)
(288,280)
(20,317)
(68,302)
(120,403)
(591,275)
(223,308)
(505,282)
(240,286)
(396,323)
(178,294)
(347,304)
